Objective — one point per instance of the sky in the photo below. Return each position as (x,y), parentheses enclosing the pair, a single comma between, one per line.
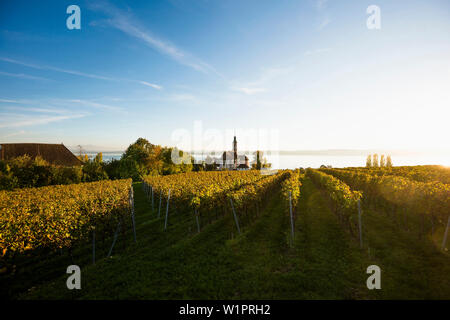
(281,75)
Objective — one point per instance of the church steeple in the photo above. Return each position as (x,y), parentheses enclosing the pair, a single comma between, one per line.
(235,151)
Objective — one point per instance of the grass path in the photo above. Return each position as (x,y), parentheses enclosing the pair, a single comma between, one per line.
(413,267)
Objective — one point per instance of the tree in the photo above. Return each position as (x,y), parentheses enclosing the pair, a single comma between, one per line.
(260,162)
(99,158)
(84,158)
(143,158)
(389,161)
(382,161)
(369,161)
(265,164)
(140,159)
(209,163)
(94,170)
(183,161)
(31,172)
(113,169)
(257,163)
(375,160)
(27,172)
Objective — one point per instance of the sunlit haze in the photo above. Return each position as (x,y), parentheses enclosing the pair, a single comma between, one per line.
(310,74)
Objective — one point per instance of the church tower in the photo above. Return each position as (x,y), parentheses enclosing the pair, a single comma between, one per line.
(235,152)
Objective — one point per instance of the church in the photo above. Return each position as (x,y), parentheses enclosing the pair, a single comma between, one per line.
(232,161)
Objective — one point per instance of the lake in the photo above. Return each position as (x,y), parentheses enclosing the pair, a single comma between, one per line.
(315,161)
(284,161)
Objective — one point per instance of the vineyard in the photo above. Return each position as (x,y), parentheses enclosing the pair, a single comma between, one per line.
(288,234)
(58,216)
(428,200)
(417,173)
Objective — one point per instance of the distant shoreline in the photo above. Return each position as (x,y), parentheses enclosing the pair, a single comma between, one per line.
(329,152)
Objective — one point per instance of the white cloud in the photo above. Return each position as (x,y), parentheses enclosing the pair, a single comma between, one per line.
(67,71)
(14,134)
(29,65)
(321,4)
(124,22)
(22,76)
(9,101)
(326,21)
(39,110)
(46,67)
(96,105)
(25,121)
(63,105)
(39,113)
(316,51)
(260,84)
(155,86)
(181,97)
(249,91)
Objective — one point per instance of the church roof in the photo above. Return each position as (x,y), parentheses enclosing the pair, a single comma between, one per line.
(242,157)
(230,156)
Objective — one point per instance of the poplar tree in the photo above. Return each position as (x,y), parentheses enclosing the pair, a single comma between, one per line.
(99,158)
(369,161)
(382,161)
(375,160)
(389,161)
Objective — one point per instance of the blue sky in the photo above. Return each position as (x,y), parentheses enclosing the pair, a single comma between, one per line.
(309,74)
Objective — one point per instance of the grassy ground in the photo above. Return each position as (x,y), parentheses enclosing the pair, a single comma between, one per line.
(324,262)
(414,267)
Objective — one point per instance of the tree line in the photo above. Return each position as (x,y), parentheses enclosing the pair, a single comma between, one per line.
(372,161)
(140,159)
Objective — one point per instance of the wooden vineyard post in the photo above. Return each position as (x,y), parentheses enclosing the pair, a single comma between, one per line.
(160,199)
(444,241)
(395,216)
(167,211)
(114,240)
(292,218)
(423,225)
(359,224)
(197,220)
(93,246)
(432,225)
(405,219)
(152,199)
(131,200)
(235,216)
